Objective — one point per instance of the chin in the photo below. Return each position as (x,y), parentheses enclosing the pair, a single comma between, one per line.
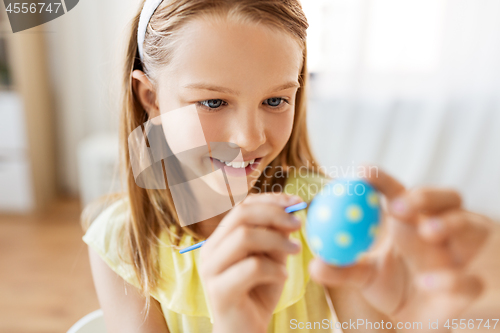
(239,186)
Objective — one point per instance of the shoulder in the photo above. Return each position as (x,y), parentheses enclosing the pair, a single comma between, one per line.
(305,184)
(106,236)
(108,224)
(117,299)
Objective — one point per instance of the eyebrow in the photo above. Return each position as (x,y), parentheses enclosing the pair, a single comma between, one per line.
(205,86)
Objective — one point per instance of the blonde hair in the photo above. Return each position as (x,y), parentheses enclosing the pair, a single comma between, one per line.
(152,211)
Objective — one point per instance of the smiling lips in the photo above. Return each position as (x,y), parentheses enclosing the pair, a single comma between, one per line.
(238,165)
(236,168)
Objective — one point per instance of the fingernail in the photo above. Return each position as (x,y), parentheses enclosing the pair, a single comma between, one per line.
(433,225)
(285,271)
(294,199)
(427,282)
(433,281)
(295,247)
(399,206)
(295,220)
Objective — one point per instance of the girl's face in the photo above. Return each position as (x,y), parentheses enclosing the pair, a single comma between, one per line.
(242,79)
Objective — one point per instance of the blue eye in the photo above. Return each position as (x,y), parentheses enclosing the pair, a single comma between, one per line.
(275,101)
(212,103)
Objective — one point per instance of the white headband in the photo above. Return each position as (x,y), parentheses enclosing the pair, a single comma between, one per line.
(147,12)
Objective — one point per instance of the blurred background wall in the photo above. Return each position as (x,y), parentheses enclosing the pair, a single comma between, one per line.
(85,48)
(410,85)
(413,86)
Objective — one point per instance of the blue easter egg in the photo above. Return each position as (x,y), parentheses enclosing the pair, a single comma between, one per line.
(343,221)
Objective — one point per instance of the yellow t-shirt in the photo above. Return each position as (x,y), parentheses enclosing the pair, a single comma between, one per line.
(182,296)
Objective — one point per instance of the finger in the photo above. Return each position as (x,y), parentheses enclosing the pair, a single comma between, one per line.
(426,201)
(464,232)
(263,215)
(386,184)
(245,241)
(242,277)
(441,294)
(438,228)
(450,282)
(357,275)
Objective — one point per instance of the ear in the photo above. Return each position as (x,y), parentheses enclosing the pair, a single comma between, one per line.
(145,92)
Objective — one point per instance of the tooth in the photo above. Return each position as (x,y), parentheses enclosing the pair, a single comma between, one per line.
(239,165)
(252,161)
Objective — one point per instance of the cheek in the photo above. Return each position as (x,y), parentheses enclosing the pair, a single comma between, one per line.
(280,129)
(215,126)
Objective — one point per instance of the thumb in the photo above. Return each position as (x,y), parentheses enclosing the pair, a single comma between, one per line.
(357,275)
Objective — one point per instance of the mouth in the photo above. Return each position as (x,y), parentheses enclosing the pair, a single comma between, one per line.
(236,168)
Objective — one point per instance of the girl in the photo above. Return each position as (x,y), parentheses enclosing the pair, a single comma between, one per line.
(242,65)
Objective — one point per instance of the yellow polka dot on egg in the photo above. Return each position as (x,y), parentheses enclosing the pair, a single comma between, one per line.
(338,189)
(316,243)
(374,230)
(343,239)
(373,200)
(324,213)
(354,213)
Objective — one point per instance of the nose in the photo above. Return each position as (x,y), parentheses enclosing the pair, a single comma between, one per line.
(248,129)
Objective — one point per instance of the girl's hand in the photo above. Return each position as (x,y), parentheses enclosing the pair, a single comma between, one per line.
(417,272)
(243,263)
